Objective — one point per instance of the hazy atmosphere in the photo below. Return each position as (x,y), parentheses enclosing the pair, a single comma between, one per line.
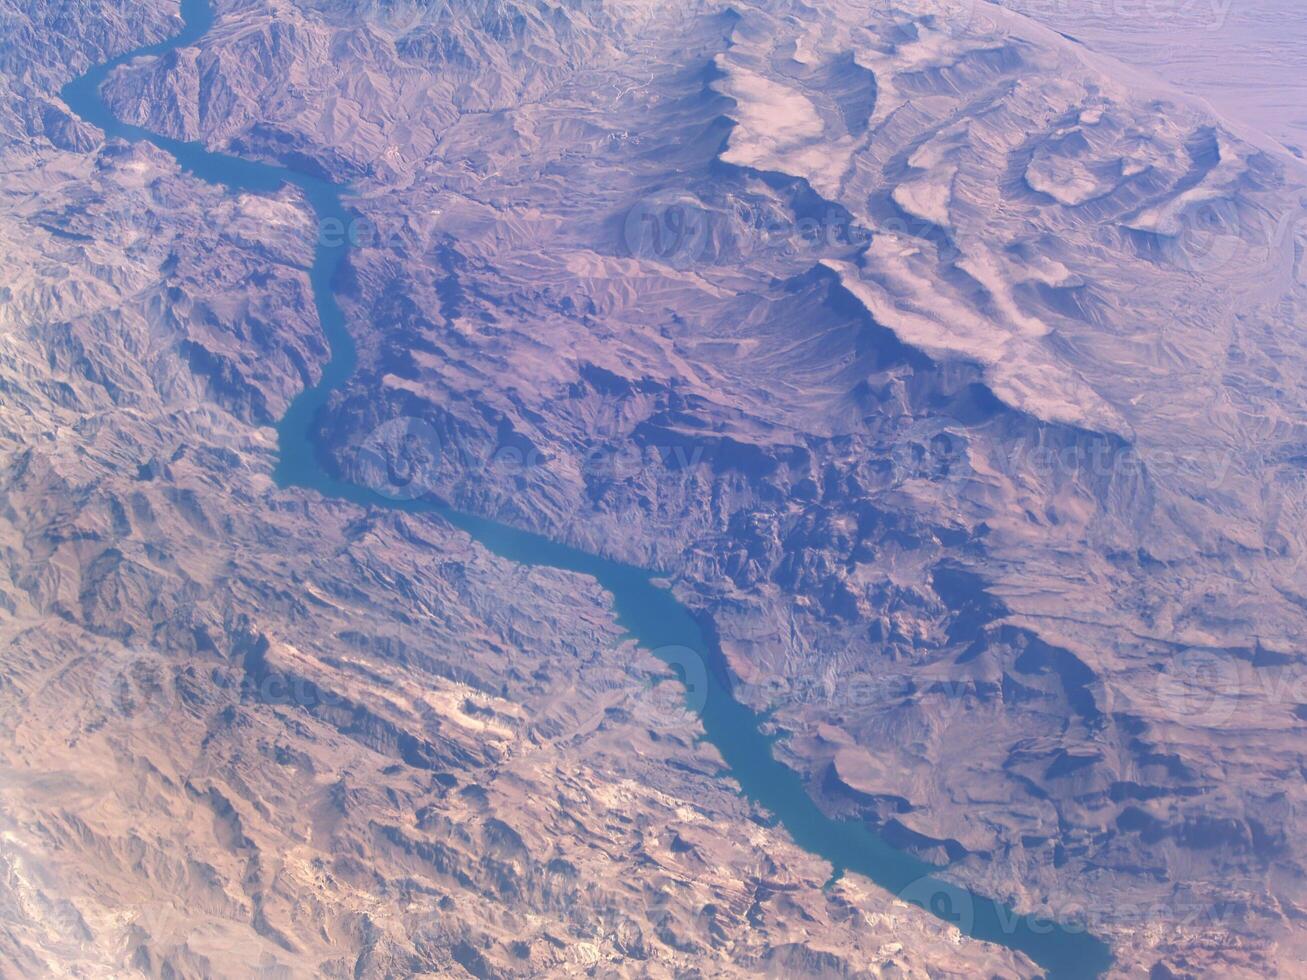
(653,488)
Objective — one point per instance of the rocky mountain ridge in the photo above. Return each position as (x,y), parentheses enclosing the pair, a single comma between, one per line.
(948,370)
(249,732)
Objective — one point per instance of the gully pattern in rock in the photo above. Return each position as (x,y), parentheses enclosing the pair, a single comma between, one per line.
(947,369)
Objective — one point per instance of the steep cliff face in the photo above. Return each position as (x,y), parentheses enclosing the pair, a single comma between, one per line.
(248,732)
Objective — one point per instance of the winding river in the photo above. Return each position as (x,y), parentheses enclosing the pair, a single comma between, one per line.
(649,612)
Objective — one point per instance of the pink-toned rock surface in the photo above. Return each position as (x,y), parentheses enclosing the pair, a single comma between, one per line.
(948,367)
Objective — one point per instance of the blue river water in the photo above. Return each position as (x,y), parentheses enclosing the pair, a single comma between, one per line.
(650,613)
